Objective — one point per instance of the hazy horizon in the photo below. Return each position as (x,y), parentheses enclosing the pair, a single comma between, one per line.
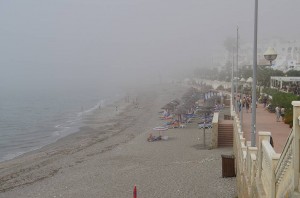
(67,43)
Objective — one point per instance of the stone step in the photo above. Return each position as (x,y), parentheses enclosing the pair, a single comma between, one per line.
(225,136)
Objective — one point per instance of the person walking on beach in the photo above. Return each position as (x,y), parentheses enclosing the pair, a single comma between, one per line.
(277,111)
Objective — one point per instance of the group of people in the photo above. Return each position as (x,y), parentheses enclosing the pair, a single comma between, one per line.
(293,88)
(279,113)
(153,138)
(244,102)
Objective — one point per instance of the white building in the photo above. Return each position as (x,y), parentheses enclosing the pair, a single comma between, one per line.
(288,54)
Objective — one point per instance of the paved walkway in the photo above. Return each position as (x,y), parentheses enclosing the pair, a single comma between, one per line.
(266,121)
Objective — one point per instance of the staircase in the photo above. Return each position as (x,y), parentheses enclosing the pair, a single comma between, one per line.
(225,133)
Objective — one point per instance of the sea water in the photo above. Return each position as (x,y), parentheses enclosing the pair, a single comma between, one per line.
(32,119)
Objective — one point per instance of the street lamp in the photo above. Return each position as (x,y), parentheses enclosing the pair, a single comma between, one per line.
(236,80)
(237,66)
(242,92)
(270,55)
(253,115)
(232,82)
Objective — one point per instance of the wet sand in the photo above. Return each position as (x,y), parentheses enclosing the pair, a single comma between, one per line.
(110,154)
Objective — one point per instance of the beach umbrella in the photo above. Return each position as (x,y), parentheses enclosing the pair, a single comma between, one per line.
(189,93)
(189,104)
(249,80)
(160,129)
(171,105)
(168,106)
(175,102)
(180,110)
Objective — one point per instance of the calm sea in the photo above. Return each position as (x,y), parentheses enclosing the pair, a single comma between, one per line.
(32,119)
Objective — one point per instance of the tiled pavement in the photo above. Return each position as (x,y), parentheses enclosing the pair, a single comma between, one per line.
(266,121)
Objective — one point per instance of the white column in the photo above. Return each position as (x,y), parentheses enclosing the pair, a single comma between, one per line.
(271,83)
(262,135)
(296,128)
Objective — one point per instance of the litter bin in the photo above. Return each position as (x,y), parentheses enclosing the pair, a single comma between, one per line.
(228,169)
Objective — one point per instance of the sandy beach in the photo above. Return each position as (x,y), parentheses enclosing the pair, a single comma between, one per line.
(110,154)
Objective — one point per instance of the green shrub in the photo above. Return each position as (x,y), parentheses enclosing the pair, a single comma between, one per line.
(288,119)
(282,99)
(220,87)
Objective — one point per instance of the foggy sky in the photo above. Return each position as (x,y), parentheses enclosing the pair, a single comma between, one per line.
(105,42)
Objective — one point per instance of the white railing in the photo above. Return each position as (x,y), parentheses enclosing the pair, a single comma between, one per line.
(284,170)
(261,172)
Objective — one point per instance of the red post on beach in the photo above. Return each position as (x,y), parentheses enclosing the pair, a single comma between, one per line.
(134,192)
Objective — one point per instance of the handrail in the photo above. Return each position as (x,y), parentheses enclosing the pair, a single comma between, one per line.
(285,158)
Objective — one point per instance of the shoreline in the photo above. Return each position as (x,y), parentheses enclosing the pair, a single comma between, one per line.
(73,129)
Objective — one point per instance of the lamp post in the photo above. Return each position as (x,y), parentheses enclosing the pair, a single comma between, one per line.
(236,79)
(232,82)
(253,116)
(253,104)
(269,55)
(242,92)
(237,67)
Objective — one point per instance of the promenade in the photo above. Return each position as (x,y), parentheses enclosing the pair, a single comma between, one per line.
(266,121)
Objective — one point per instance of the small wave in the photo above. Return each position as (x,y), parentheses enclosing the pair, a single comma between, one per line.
(56,133)
(46,122)
(11,156)
(99,105)
(62,126)
(70,121)
(102,103)
(61,131)
(16,154)
(91,109)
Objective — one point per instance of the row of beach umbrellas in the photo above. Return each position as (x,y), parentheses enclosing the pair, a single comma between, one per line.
(188,101)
